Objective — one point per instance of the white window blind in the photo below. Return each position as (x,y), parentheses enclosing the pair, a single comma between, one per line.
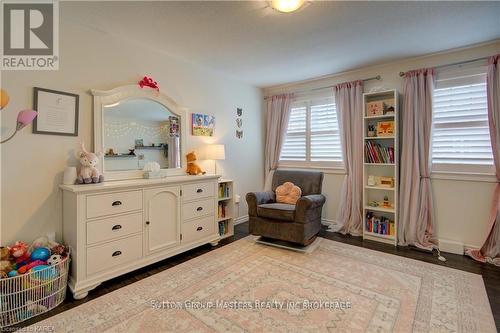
(312,137)
(460,136)
(325,137)
(294,147)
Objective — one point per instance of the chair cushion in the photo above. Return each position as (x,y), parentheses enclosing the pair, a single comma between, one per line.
(277,211)
(288,193)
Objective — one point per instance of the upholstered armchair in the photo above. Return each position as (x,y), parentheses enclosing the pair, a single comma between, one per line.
(299,223)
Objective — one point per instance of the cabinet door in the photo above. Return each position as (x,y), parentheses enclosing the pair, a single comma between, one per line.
(162,212)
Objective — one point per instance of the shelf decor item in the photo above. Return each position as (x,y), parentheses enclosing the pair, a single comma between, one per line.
(385,128)
(381,166)
(375,108)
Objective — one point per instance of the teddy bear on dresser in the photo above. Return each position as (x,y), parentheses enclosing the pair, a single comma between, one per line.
(192,167)
(88,172)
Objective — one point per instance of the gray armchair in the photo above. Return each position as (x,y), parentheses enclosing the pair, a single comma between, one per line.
(297,223)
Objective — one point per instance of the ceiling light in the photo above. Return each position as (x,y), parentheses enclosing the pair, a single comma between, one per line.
(287,6)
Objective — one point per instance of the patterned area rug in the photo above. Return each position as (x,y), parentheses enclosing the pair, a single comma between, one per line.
(251,287)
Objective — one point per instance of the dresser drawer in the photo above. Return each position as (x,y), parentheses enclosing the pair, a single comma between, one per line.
(113,203)
(113,227)
(197,191)
(198,229)
(103,257)
(197,209)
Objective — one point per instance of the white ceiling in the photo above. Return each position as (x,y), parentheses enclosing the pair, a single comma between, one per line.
(251,42)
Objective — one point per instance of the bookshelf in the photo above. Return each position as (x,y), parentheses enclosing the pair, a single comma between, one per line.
(225,208)
(381,166)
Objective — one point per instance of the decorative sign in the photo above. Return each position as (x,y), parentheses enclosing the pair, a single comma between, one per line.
(57,112)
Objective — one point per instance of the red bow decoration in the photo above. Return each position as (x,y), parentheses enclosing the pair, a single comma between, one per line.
(149,82)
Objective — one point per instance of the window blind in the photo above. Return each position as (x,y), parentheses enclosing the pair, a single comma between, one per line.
(325,138)
(460,123)
(294,147)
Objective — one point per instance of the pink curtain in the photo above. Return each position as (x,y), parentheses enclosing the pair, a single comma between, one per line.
(349,102)
(490,251)
(415,198)
(278,113)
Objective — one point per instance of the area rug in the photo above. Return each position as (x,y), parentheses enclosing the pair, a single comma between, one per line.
(245,286)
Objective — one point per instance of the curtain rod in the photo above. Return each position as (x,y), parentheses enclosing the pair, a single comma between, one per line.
(378,77)
(454,64)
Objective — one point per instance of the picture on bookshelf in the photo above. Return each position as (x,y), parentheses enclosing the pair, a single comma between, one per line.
(374,109)
(385,128)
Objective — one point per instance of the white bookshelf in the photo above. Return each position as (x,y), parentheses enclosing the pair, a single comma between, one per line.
(377,169)
(225,198)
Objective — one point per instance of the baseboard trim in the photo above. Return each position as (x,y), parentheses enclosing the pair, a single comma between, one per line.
(455,247)
(241,219)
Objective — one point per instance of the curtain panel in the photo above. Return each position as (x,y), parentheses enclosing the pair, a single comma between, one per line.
(349,103)
(415,201)
(490,251)
(277,115)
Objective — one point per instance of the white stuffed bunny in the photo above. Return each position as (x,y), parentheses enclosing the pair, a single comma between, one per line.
(88,172)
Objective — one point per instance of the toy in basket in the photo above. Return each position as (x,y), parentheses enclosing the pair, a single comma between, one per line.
(33,279)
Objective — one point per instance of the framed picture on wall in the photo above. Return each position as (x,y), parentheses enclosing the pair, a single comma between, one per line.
(202,124)
(57,112)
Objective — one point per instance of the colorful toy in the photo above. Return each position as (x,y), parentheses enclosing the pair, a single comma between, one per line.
(54,259)
(43,272)
(35,263)
(88,172)
(20,253)
(59,249)
(192,167)
(288,193)
(40,253)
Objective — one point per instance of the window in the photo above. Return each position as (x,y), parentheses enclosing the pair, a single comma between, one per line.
(312,137)
(460,135)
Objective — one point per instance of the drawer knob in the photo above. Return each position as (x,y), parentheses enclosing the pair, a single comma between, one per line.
(116,227)
(199,190)
(147,222)
(116,203)
(116,253)
(199,209)
(199,229)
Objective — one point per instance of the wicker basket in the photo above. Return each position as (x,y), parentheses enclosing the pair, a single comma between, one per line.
(26,296)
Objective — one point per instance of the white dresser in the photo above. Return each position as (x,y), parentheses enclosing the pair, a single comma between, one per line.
(119,226)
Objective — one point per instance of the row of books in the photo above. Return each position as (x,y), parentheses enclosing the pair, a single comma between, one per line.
(380,225)
(222,210)
(222,228)
(223,190)
(376,153)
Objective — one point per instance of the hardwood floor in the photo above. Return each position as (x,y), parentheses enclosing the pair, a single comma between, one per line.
(490,273)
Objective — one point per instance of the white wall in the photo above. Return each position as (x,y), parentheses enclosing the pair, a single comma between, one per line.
(32,165)
(461,206)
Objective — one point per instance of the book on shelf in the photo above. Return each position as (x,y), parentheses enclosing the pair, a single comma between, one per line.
(376,153)
(222,210)
(379,225)
(223,190)
(222,228)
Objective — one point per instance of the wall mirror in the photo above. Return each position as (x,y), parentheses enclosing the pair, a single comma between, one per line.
(134,126)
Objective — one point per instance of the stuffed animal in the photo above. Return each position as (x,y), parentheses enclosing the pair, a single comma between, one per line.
(88,172)
(54,259)
(20,253)
(192,167)
(5,265)
(288,193)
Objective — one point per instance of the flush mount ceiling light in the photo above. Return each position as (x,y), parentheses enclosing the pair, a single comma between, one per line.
(287,6)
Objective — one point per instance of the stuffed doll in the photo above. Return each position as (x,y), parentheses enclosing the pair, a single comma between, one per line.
(88,172)
(5,265)
(192,167)
(20,253)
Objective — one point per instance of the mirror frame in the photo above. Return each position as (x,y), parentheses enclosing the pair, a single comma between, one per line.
(119,94)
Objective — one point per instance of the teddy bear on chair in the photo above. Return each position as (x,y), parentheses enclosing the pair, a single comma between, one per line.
(88,172)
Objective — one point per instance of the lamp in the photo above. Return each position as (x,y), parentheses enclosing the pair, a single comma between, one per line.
(24,118)
(215,152)
(287,6)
